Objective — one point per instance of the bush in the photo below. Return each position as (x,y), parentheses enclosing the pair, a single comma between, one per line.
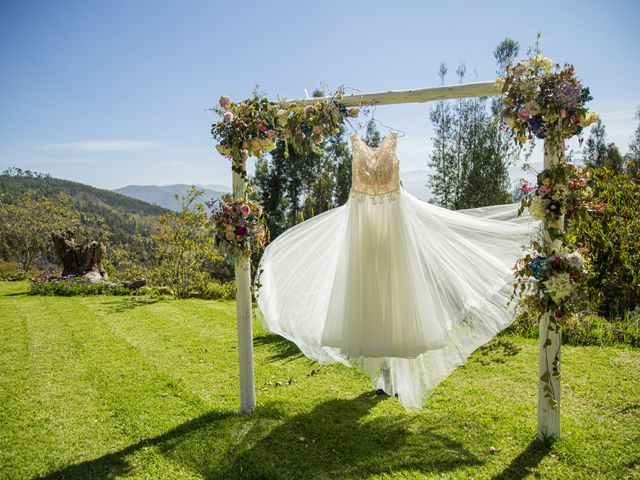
(219,291)
(586,328)
(11,271)
(49,284)
(610,233)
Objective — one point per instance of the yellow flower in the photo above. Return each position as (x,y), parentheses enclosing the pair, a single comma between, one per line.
(510,119)
(533,107)
(541,62)
(223,150)
(551,118)
(499,83)
(228,227)
(592,117)
(281,115)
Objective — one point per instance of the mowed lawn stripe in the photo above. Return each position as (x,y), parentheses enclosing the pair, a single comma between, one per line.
(193,344)
(57,414)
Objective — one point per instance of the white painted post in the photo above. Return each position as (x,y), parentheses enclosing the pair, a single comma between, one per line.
(243,315)
(548,416)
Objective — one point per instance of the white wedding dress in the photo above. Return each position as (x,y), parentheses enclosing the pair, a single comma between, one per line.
(402,288)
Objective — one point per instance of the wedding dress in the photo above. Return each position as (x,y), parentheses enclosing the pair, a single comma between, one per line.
(402,288)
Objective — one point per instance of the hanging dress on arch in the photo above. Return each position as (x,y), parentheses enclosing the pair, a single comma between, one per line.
(404,289)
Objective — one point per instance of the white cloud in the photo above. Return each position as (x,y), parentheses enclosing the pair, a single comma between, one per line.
(102,146)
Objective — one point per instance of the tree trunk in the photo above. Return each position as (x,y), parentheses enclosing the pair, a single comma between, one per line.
(80,260)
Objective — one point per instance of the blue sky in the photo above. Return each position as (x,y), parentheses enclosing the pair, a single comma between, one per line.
(115,93)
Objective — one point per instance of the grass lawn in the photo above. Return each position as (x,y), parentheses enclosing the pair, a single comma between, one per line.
(113,387)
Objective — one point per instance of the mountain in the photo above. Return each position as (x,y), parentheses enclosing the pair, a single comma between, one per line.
(415,182)
(163,195)
(130,221)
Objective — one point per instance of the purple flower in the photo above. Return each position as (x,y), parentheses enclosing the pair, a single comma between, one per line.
(567,94)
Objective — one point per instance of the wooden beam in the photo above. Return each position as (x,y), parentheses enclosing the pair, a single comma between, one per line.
(243,316)
(549,343)
(420,95)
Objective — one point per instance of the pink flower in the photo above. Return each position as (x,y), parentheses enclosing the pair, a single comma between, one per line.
(523,114)
(576,119)
(544,190)
(246,210)
(317,129)
(271,134)
(526,188)
(224,101)
(228,116)
(262,126)
(244,155)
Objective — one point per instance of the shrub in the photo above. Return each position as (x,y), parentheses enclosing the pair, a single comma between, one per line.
(219,291)
(587,328)
(11,271)
(609,231)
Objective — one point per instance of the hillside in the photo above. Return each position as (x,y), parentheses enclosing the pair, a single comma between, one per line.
(163,195)
(130,221)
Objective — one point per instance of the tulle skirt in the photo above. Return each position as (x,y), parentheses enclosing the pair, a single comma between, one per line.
(402,288)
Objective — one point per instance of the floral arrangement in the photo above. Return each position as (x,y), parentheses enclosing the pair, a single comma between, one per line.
(543,99)
(560,194)
(251,127)
(548,276)
(238,225)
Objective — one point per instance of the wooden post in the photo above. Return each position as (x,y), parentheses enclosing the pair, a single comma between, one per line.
(549,346)
(243,315)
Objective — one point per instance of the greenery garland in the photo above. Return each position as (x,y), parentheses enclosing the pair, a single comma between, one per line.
(543,100)
(250,128)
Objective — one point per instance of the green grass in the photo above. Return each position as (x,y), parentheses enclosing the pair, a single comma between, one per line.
(117,387)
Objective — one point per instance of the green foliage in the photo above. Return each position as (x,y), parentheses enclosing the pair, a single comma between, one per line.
(586,328)
(27,222)
(599,153)
(633,155)
(218,291)
(471,155)
(69,286)
(130,222)
(609,231)
(12,271)
(185,242)
(250,127)
(293,186)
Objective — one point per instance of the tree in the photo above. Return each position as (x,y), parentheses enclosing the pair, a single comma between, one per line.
(185,243)
(293,187)
(27,223)
(633,155)
(598,152)
(471,155)
(441,160)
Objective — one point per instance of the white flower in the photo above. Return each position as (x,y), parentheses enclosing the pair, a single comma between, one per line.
(536,209)
(556,246)
(576,260)
(559,287)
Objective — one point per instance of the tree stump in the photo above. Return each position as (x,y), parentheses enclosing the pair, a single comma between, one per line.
(80,260)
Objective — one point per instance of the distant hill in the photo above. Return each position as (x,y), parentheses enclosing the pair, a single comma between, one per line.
(163,195)
(415,182)
(131,221)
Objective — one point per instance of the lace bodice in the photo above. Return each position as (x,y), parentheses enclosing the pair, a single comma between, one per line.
(375,171)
